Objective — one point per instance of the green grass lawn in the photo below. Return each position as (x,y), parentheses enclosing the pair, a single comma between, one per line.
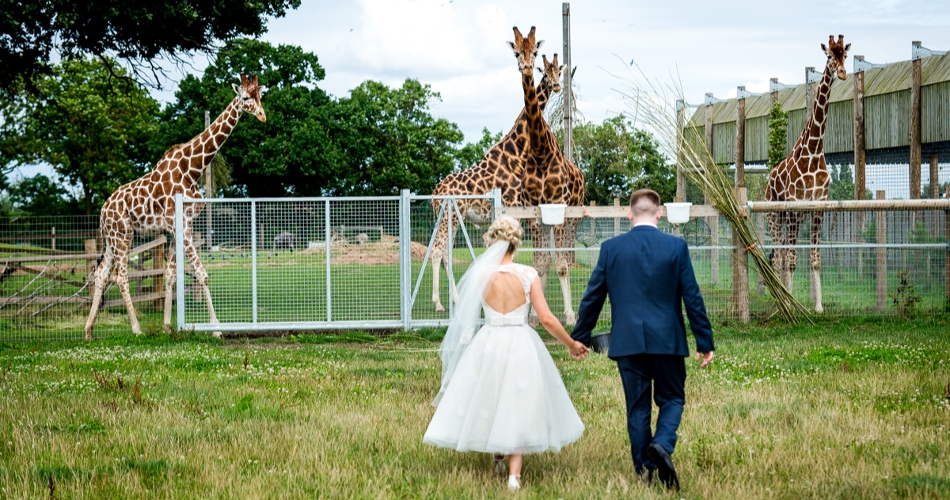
(843,409)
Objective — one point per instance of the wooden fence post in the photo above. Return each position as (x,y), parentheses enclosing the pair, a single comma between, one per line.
(915,159)
(90,248)
(860,191)
(53,239)
(740,270)
(713,221)
(881,224)
(740,140)
(934,177)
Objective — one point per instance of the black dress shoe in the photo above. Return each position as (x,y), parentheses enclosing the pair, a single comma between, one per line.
(664,466)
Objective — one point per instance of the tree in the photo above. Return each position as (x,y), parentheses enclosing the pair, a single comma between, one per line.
(93,134)
(40,195)
(295,152)
(842,183)
(472,153)
(140,32)
(618,158)
(778,130)
(392,142)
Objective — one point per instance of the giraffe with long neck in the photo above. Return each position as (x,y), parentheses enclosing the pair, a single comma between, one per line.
(803,176)
(147,206)
(558,181)
(505,166)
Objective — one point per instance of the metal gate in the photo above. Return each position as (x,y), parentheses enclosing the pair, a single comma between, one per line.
(317,263)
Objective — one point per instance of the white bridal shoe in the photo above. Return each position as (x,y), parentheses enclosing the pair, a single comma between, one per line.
(513,483)
(499,464)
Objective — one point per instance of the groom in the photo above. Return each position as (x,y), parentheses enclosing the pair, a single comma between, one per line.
(649,278)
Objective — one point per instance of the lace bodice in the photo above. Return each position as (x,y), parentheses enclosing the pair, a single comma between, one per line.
(518,316)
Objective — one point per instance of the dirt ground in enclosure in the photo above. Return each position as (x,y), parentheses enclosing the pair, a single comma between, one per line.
(371,254)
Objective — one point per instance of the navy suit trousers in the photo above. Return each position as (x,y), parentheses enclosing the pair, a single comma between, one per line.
(662,378)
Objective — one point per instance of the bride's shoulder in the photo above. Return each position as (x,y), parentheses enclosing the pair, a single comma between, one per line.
(527,270)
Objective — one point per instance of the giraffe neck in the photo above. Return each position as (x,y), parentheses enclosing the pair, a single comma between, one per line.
(544,93)
(816,124)
(540,143)
(206,144)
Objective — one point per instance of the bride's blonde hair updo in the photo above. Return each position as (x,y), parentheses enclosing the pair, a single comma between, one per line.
(505,228)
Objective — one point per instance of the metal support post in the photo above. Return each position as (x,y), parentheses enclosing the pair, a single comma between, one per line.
(180,260)
(253,261)
(326,238)
(405,260)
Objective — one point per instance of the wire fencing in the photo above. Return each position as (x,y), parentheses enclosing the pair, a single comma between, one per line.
(46,267)
(367,263)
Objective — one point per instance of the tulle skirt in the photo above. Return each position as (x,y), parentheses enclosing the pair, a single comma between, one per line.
(505,397)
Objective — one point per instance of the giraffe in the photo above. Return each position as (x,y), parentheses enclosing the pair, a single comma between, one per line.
(504,166)
(147,205)
(803,176)
(558,181)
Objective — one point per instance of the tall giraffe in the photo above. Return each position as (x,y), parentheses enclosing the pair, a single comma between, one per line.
(803,175)
(147,205)
(558,181)
(505,166)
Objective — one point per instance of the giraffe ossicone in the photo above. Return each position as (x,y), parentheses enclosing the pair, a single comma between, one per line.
(803,176)
(147,206)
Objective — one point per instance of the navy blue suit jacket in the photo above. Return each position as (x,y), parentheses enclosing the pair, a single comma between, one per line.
(649,277)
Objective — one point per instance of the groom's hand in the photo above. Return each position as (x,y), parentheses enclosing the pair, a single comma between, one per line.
(704,358)
(578,350)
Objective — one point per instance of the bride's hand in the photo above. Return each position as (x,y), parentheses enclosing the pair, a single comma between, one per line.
(577,350)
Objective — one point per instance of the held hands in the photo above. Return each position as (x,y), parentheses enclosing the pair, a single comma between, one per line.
(704,358)
(577,350)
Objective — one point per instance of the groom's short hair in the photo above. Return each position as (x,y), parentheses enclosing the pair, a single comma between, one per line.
(644,202)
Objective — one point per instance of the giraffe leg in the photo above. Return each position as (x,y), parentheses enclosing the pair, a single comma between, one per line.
(201,276)
(170,277)
(439,248)
(776,222)
(541,261)
(121,271)
(101,279)
(816,221)
(563,268)
(436,264)
(791,255)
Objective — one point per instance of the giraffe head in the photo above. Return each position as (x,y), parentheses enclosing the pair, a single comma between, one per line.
(837,52)
(525,49)
(250,94)
(552,73)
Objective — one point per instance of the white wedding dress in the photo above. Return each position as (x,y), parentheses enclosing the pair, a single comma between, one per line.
(506,396)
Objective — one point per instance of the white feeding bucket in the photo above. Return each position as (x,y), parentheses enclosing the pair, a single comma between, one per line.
(677,213)
(553,214)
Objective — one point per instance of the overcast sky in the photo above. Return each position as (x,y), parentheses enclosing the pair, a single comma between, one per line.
(458,46)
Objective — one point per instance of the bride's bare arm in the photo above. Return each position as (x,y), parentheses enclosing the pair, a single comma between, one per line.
(550,322)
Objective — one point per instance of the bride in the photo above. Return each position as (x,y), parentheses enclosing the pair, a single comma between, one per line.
(501,392)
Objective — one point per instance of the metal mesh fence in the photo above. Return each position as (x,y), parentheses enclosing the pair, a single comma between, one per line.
(308,263)
(47,266)
(338,263)
(899,270)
